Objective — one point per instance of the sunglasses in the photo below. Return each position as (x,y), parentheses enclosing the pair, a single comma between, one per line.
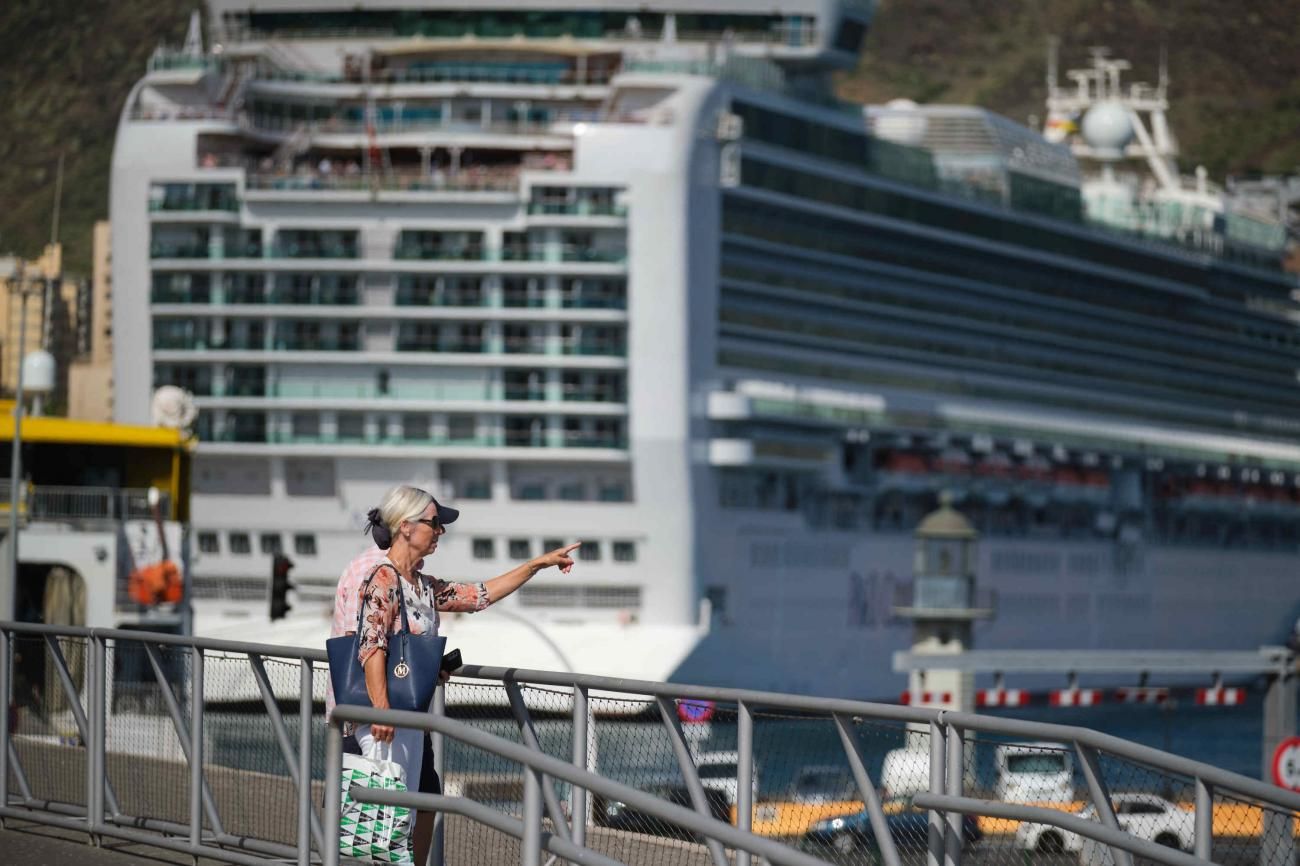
(431,522)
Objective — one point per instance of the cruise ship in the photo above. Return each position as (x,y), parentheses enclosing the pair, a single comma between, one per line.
(627,272)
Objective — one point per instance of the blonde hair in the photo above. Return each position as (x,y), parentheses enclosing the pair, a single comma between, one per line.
(403,502)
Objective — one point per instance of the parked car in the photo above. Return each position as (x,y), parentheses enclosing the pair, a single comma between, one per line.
(847,834)
(616,814)
(719,772)
(1034,773)
(1145,816)
(818,792)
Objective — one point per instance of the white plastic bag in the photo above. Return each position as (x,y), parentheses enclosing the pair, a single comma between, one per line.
(370,831)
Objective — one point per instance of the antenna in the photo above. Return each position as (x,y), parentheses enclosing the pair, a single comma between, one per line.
(58,197)
(194,36)
(1053,48)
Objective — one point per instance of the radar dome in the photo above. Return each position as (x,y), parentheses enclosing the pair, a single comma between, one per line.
(900,122)
(38,372)
(173,407)
(1108,129)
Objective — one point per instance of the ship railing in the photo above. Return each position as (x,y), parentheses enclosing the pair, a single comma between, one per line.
(66,502)
(219,749)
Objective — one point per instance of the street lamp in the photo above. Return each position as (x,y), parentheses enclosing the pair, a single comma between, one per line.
(24,287)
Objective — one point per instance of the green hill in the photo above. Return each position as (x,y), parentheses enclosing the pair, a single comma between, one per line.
(1234,70)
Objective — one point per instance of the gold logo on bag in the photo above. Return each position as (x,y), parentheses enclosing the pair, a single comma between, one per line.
(401,670)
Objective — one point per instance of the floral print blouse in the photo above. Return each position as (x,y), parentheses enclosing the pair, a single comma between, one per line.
(381,614)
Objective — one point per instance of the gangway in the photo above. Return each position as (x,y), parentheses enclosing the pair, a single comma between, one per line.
(218,749)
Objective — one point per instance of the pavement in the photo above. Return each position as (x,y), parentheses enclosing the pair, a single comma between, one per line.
(22,842)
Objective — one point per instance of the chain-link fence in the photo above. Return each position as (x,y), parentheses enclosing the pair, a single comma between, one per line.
(802,791)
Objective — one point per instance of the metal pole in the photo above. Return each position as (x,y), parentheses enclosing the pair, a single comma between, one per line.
(96,777)
(15,463)
(4,721)
(954,768)
(530,848)
(577,793)
(329,855)
(437,851)
(1277,844)
(935,825)
(196,747)
(304,763)
(1204,845)
(744,774)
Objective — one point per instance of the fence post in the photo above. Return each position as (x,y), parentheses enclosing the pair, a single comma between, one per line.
(530,847)
(744,774)
(304,762)
(581,753)
(97,724)
(333,798)
(437,851)
(935,825)
(196,746)
(4,720)
(1277,844)
(1204,845)
(954,768)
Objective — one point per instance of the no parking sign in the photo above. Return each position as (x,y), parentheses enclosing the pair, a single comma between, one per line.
(1286,764)
(694,711)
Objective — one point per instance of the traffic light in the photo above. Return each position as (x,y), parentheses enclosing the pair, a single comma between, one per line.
(280,586)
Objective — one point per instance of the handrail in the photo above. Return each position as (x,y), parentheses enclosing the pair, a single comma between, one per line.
(1057,818)
(679,815)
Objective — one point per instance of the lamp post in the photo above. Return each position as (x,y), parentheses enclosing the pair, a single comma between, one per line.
(23,287)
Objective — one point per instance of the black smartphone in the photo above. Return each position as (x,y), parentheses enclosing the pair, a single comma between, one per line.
(451,661)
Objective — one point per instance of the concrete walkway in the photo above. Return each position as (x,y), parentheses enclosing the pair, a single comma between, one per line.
(37,845)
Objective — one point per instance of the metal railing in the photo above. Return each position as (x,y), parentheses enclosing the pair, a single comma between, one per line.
(120,723)
(65,502)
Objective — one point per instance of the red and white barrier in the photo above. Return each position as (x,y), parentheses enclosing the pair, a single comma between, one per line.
(1221,696)
(908,698)
(1075,697)
(1142,695)
(1001,698)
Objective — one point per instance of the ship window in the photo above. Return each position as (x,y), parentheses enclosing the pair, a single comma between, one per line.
(240,543)
(532,491)
(484,548)
(549,544)
(521,548)
(590,550)
(614,492)
(271,542)
(573,491)
(461,428)
(304,544)
(624,551)
(209,543)
(415,427)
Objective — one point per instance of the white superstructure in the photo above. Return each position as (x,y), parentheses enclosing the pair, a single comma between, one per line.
(625,273)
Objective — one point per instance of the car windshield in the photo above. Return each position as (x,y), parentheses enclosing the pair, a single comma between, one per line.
(1041,763)
(823,782)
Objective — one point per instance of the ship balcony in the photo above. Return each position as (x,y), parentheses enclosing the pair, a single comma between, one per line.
(496,184)
(769,452)
(943,597)
(57,503)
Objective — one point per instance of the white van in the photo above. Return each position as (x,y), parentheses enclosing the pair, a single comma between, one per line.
(905,772)
(1034,773)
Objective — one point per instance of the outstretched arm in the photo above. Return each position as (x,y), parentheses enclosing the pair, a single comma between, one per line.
(501,586)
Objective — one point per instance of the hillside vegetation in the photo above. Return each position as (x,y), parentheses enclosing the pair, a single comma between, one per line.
(69,64)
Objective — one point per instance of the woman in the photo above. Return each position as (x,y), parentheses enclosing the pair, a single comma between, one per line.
(409,523)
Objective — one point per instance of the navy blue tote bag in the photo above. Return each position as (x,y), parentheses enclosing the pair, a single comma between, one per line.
(413,661)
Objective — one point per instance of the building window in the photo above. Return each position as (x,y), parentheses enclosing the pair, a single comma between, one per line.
(484,548)
(590,550)
(521,548)
(270,542)
(624,551)
(208,543)
(240,543)
(549,544)
(304,544)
